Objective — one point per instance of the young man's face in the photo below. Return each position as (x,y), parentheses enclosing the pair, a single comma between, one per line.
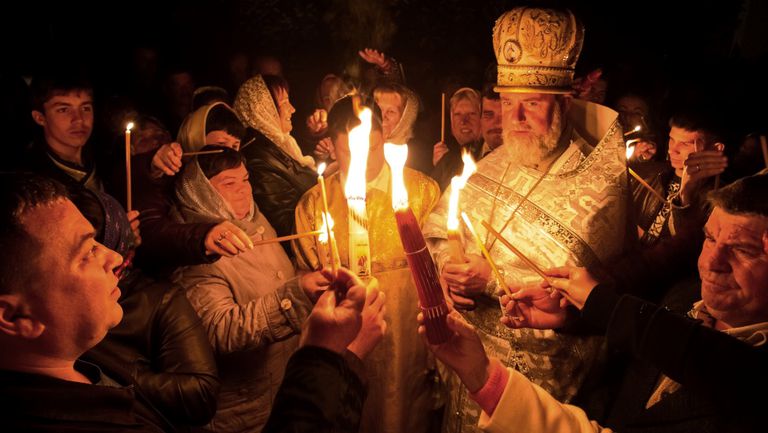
(733,267)
(682,143)
(490,122)
(75,296)
(67,120)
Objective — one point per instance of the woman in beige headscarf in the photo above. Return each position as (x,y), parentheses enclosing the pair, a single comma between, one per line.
(280,173)
(251,304)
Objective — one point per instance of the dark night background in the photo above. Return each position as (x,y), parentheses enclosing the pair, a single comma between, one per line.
(678,51)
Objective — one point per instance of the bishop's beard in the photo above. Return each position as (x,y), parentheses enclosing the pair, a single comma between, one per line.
(530,151)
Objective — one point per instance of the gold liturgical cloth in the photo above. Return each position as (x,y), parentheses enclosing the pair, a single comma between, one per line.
(576,216)
(399,395)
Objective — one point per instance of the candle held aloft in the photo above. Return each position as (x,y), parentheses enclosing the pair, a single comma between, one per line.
(333,258)
(128,201)
(355,190)
(455,248)
(431,298)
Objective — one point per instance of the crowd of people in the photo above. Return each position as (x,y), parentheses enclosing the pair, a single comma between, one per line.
(635,297)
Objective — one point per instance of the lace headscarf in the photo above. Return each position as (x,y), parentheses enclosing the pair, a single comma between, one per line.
(256,109)
(403,131)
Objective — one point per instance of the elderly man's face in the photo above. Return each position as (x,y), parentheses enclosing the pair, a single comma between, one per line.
(733,266)
(532,125)
(465,122)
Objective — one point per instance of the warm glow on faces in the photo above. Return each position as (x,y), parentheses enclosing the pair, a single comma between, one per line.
(233,186)
(222,139)
(527,114)
(733,267)
(284,109)
(67,120)
(465,121)
(75,294)
(682,143)
(490,122)
(391,105)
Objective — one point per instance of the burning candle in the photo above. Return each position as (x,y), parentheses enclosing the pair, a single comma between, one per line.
(327,248)
(354,190)
(455,249)
(630,151)
(327,223)
(128,203)
(486,254)
(431,298)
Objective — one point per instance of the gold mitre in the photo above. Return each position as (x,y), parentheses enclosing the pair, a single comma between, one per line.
(536,50)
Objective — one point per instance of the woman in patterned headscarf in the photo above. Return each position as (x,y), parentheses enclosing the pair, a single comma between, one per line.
(279,172)
(251,305)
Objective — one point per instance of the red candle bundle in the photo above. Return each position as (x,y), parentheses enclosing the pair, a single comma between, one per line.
(431,298)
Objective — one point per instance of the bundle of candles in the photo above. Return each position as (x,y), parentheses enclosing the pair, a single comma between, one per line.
(431,298)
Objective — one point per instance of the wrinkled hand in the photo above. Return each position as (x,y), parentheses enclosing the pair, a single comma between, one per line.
(317,122)
(466,280)
(167,160)
(336,319)
(314,284)
(325,150)
(438,152)
(576,283)
(227,239)
(374,57)
(462,353)
(133,220)
(533,306)
(699,167)
(374,326)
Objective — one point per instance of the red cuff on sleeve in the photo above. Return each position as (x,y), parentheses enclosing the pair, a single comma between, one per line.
(489,395)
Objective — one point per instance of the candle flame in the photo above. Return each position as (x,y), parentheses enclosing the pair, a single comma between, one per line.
(396,155)
(321,168)
(325,228)
(128,127)
(359,137)
(630,151)
(638,128)
(457,184)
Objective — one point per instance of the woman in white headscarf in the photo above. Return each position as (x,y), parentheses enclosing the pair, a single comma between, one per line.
(280,173)
(251,305)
